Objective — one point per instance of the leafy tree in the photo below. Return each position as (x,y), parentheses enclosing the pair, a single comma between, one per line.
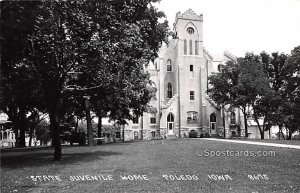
(19,90)
(223,86)
(107,42)
(291,92)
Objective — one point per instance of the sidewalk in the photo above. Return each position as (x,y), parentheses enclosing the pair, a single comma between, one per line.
(254,143)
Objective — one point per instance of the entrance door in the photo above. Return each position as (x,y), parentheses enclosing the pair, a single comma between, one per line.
(170,123)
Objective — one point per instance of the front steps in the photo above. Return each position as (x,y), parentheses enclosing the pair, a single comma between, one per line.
(171,136)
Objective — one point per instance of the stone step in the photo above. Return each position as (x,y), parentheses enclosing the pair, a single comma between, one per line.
(171,136)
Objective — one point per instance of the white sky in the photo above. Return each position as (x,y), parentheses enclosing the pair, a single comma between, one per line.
(239,26)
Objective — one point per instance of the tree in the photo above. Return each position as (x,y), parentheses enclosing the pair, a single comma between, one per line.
(291,92)
(244,84)
(19,90)
(223,86)
(107,41)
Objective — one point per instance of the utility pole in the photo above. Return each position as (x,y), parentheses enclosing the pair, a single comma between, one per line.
(142,127)
(179,116)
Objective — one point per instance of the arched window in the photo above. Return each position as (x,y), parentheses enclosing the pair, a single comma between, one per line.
(191,47)
(170,118)
(190,30)
(196,47)
(169,65)
(213,120)
(185,47)
(170,122)
(169,91)
(232,118)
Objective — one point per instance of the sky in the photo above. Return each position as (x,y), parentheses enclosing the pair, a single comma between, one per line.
(241,26)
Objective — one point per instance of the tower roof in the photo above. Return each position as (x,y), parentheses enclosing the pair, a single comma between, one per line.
(189,14)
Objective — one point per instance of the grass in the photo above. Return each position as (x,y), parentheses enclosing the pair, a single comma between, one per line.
(153,159)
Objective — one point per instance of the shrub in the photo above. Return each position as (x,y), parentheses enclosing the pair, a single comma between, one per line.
(193,134)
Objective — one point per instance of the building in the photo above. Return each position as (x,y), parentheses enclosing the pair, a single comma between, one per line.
(180,74)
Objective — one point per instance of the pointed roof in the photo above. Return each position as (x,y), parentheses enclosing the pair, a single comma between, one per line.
(189,14)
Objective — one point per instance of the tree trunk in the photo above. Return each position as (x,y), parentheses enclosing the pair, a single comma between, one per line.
(99,126)
(281,133)
(246,125)
(89,123)
(123,132)
(289,135)
(30,135)
(22,127)
(54,128)
(223,114)
(76,127)
(262,134)
(142,128)
(261,131)
(16,131)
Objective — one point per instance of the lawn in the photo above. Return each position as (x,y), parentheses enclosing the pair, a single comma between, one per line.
(152,166)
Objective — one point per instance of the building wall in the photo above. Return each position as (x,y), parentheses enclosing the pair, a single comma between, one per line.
(183,81)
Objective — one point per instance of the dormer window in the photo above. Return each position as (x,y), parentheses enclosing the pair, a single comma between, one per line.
(190,30)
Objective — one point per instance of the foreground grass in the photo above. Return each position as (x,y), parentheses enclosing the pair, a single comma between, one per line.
(153,159)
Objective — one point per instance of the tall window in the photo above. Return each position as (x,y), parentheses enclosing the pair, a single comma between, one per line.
(192,95)
(185,47)
(169,91)
(169,65)
(232,118)
(191,47)
(153,119)
(212,120)
(135,120)
(196,47)
(191,68)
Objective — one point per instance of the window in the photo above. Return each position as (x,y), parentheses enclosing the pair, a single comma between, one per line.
(191,47)
(232,118)
(118,134)
(219,67)
(213,121)
(191,68)
(213,118)
(169,65)
(192,95)
(196,47)
(190,30)
(185,47)
(169,91)
(170,118)
(135,120)
(192,116)
(153,119)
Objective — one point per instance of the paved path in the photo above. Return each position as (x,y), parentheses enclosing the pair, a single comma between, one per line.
(254,143)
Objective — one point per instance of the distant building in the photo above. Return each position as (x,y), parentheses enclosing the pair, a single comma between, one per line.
(180,74)
(7,135)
